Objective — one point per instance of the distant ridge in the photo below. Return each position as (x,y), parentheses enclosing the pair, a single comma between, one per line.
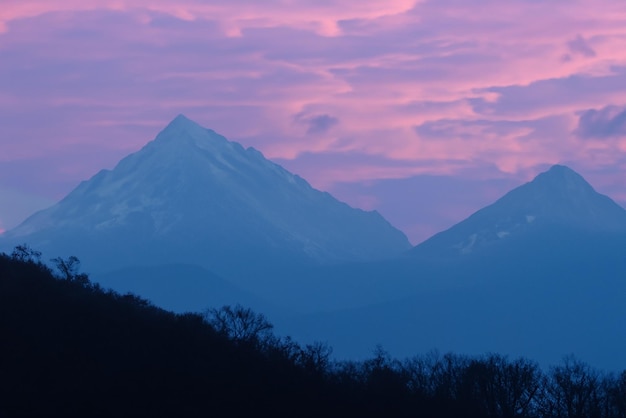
(191,196)
(540,273)
(557,198)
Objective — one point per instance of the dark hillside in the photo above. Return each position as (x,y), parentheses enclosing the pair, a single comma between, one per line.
(70,348)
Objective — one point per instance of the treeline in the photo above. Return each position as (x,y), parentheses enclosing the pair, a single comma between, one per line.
(70,348)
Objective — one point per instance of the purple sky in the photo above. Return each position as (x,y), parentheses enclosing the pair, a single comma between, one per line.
(424,110)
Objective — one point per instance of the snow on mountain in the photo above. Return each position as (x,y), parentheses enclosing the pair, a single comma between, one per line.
(192,196)
(557,198)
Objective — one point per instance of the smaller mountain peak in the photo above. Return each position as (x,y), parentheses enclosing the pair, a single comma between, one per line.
(561,176)
(558,197)
(558,168)
(562,170)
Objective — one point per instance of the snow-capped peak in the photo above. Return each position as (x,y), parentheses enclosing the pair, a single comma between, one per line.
(182,130)
(191,191)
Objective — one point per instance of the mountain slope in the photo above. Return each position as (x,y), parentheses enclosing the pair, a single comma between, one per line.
(191,196)
(540,273)
(556,200)
(181,288)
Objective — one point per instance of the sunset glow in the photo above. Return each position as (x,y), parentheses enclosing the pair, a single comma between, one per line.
(347,94)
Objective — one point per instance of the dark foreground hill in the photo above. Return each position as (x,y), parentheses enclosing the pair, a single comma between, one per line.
(69,348)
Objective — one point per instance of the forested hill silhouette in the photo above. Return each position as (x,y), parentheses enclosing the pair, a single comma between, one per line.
(71,348)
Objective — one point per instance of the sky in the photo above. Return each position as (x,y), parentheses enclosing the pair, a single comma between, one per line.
(423,110)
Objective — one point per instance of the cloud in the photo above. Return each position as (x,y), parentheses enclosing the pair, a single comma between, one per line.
(607,122)
(450,199)
(511,145)
(580,46)
(322,17)
(325,169)
(384,89)
(554,95)
(316,124)
(321,124)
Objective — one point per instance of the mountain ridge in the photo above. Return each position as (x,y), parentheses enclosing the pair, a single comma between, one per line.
(555,275)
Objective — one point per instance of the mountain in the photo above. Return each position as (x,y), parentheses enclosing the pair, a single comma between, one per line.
(192,197)
(558,199)
(541,273)
(181,288)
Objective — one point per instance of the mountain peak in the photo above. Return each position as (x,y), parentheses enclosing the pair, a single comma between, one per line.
(193,194)
(181,123)
(559,197)
(558,168)
(560,171)
(181,118)
(562,177)
(181,126)
(183,135)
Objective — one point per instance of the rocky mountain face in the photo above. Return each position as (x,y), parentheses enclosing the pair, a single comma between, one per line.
(191,196)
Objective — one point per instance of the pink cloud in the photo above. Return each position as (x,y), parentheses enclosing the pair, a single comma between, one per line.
(233,17)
